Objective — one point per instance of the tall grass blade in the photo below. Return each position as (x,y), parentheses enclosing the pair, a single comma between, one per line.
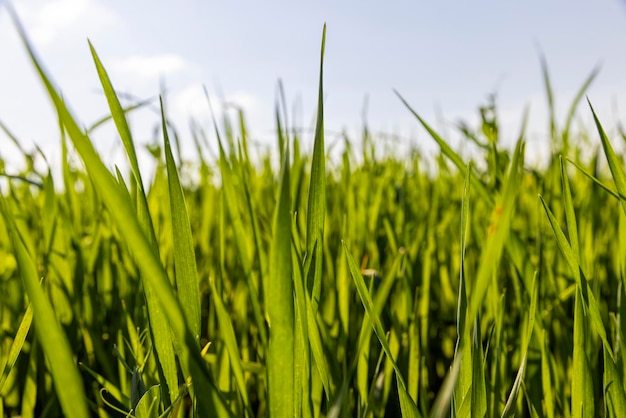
(159,330)
(316,207)
(184,254)
(122,211)
(280,307)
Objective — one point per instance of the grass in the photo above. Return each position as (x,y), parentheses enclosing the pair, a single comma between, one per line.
(366,286)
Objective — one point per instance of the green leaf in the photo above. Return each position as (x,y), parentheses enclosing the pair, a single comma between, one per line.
(148,406)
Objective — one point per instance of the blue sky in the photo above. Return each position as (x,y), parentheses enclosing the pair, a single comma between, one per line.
(444,57)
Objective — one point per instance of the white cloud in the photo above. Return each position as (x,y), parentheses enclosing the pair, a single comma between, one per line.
(149,66)
(47,21)
(191,102)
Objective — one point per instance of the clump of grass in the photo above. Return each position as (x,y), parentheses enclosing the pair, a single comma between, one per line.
(373,288)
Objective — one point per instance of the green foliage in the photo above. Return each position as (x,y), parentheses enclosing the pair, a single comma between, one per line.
(359,286)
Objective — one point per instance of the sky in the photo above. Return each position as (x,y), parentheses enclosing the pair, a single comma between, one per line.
(444,57)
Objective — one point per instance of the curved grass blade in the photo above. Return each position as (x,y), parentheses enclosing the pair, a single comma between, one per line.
(593,178)
(55,345)
(122,211)
(616,164)
(158,328)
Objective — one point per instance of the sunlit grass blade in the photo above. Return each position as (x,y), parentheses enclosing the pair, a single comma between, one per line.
(118,115)
(159,330)
(280,307)
(55,345)
(184,255)
(463,382)
(316,206)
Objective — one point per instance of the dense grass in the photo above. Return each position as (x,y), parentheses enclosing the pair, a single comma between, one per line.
(370,286)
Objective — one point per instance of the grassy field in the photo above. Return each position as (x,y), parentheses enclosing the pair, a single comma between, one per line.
(369,286)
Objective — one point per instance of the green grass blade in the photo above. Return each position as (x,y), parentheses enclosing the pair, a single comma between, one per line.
(302,360)
(449,153)
(55,345)
(118,115)
(510,403)
(497,235)
(582,386)
(614,394)
(589,300)
(316,207)
(409,409)
(463,382)
(16,345)
(280,307)
(577,98)
(549,96)
(122,212)
(228,334)
(184,255)
(570,215)
(159,330)
(594,179)
(616,164)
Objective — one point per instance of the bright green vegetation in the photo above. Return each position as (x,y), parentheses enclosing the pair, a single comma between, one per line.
(368,286)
